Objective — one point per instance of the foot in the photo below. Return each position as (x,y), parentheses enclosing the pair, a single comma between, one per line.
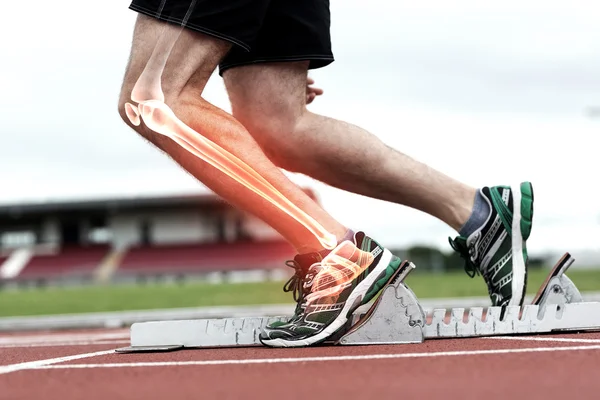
(497,250)
(332,289)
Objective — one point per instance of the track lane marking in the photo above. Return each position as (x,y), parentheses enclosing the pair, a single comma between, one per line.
(51,338)
(320,359)
(5,369)
(544,339)
(61,344)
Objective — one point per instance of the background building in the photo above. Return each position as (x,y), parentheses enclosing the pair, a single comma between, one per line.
(124,239)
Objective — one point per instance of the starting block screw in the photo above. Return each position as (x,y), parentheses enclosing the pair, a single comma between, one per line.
(556,289)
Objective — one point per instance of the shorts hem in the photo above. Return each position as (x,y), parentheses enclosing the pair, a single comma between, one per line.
(194,27)
(316,61)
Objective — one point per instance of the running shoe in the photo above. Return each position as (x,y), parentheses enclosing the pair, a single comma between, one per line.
(331,289)
(498,250)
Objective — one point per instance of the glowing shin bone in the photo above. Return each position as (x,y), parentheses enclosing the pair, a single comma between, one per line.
(161,119)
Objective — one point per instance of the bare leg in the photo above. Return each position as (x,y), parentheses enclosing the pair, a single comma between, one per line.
(373,169)
(193,58)
(269,99)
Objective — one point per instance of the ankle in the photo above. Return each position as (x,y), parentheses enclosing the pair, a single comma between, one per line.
(475,216)
(342,233)
(460,217)
(463,209)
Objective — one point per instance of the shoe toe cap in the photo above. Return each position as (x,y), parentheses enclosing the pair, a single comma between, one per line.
(275,332)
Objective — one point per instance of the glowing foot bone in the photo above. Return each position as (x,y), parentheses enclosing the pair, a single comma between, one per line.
(337,270)
(160,118)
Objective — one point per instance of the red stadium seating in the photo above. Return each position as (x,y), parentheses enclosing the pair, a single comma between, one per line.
(207,257)
(70,261)
(2,259)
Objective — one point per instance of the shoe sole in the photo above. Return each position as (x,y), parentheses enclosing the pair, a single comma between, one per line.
(342,318)
(520,211)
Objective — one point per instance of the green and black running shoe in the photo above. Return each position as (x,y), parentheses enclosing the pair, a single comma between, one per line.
(498,249)
(330,290)
(301,264)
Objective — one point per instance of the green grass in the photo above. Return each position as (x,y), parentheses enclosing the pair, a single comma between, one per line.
(458,284)
(137,297)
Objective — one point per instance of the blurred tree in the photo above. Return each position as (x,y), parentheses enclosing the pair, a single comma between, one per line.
(427,259)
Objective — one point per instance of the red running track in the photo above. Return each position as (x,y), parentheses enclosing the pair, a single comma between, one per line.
(83,365)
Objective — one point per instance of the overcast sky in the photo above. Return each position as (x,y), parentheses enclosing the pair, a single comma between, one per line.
(490,94)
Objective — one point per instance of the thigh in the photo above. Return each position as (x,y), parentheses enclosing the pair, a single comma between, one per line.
(293,30)
(267,92)
(236,21)
(193,58)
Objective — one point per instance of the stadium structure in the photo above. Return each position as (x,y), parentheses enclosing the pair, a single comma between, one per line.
(137,239)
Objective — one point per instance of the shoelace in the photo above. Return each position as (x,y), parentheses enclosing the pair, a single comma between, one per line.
(296,283)
(465,253)
(471,269)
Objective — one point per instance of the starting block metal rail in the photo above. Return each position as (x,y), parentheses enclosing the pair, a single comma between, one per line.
(395,317)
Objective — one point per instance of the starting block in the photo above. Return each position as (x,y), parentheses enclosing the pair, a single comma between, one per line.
(395,317)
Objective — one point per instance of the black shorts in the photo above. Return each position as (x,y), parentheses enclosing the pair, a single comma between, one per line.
(261,30)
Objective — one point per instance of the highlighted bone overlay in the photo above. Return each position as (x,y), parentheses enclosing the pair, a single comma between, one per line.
(159,117)
(337,270)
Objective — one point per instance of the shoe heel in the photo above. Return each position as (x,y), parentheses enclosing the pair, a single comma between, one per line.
(383,279)
(526,209)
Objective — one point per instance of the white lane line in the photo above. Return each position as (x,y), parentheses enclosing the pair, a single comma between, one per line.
(544,339)
(61,338)
(5,369)
(57,344)
(320,359)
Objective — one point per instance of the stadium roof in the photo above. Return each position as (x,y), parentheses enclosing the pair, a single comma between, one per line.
(115,203)
(98,204)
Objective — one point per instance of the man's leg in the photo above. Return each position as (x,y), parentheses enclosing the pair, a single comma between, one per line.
(493,223)
(194,57)
(269,99)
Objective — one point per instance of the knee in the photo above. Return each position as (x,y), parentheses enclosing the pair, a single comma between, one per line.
(131,116)
(122,112)
(128,109)
(129,113)
(277,139)
(277,135)
(124,98)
